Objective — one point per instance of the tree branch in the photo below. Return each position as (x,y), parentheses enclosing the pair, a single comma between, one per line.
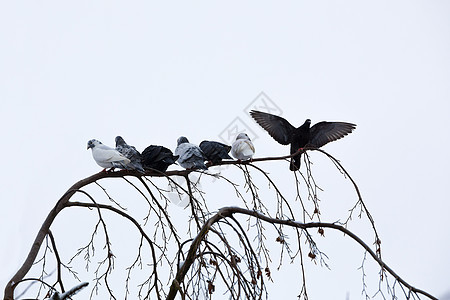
(229,211)
(192,253)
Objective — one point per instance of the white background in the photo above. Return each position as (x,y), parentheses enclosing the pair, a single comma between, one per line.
(70,72)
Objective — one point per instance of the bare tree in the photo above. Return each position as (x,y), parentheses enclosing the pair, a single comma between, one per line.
(226,247)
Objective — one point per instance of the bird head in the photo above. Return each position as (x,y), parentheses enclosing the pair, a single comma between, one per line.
(93,143)
(119,141)
(242,136)
(182,140)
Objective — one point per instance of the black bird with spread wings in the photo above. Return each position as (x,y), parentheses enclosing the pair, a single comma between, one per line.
(316,136)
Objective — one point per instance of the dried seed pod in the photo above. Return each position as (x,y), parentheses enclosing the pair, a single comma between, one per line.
(211,287)
(321,231)
(267,270)
(280,240)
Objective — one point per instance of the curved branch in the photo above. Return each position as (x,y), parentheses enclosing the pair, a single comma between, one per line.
(45,227)
(340,167)
(63,202)
(229,211)
(58,260)
(135,223)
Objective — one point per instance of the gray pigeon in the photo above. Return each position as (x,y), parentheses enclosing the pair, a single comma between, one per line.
(190,156)
(215,151)
(131,153)
(242,148)
(316,136)
(107,157)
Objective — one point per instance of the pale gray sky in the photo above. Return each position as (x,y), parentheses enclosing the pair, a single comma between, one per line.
(151,72)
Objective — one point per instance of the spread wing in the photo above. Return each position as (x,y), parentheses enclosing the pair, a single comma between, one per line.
(325,132)
(278,128)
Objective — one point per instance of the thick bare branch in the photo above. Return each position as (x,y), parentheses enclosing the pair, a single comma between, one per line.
(229,211)
(223,262)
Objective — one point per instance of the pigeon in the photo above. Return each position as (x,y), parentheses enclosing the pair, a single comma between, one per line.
(190,155)
(107,157)
(215,151)
(316,136)
(131,153)
(158,158)
(242,148)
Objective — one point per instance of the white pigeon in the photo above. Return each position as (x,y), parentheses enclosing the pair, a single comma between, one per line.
(242,148)
(107,157)
(190,155)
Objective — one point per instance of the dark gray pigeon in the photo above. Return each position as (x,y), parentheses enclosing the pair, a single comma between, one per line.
(304,136)
(131,153)
(158,158)
(215,151)
(190,156)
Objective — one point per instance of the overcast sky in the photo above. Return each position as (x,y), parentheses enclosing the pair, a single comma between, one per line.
(70,72)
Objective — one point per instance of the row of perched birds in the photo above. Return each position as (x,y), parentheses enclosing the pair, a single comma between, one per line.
(187,155)
(191,156)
